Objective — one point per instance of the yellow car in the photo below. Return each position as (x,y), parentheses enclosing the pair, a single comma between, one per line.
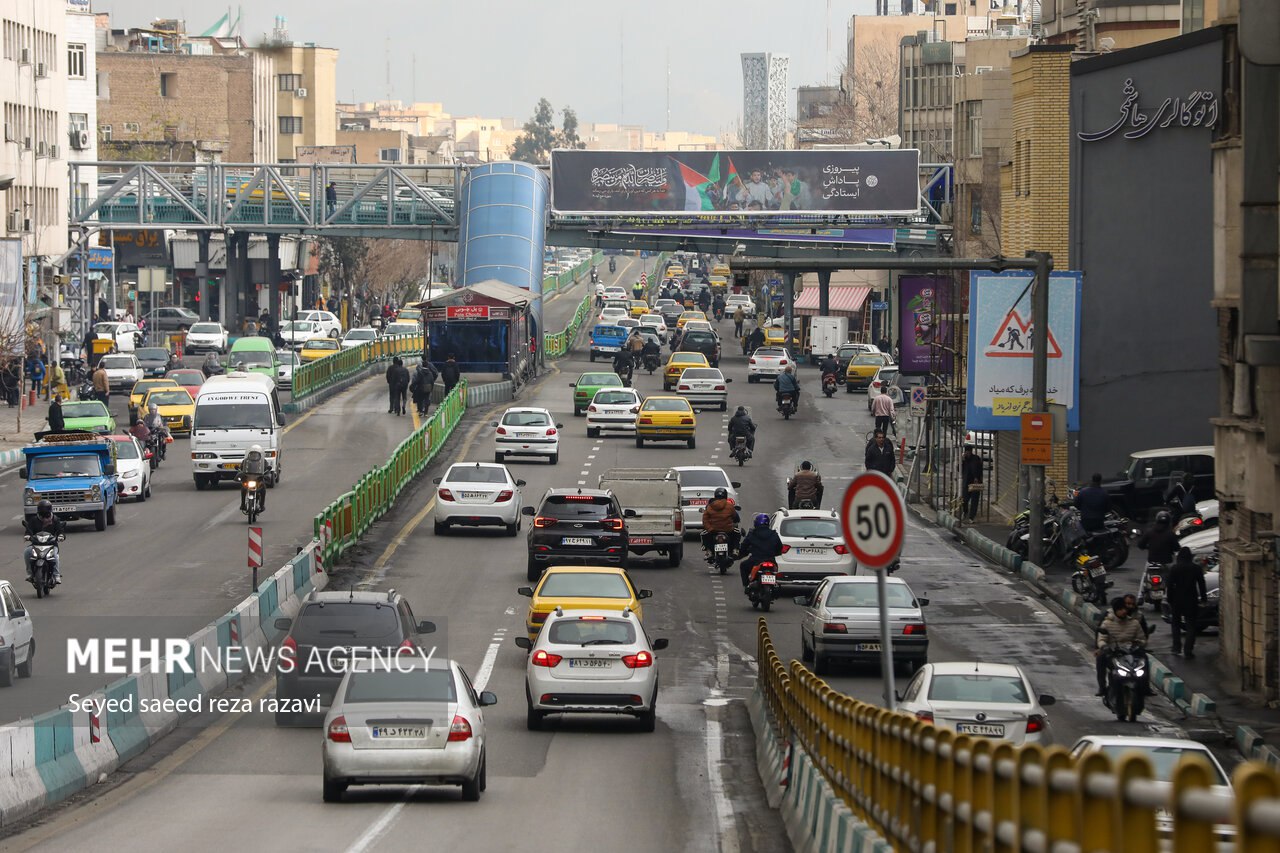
(721,270)
(675,270)
(689,315)
(665,417)
(776,336)
(318,348)
(677,364)
(581,588)
(142,386)
(175,406)
(639,308)
(861,370)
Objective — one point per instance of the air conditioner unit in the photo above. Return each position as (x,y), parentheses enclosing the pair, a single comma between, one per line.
(24,58)
(300,92)
(79,139)
(10,135)
(42,150)
(42,70)
(26,143)
(17,223)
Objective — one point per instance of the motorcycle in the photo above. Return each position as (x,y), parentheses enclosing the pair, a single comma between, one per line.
(740,452)
(376,323)
(624,370)
(722,551)
(613,265)
(828,384)
(1089,579)
(1126,683)
(651,362)
(1154,589)
(251,486)
(787,407)
(85,391)
(42,561)
(764,586)
(156,445)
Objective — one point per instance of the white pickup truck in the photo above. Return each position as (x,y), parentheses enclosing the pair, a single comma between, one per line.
(654,495)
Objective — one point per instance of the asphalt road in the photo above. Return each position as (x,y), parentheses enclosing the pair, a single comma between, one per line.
(690,786)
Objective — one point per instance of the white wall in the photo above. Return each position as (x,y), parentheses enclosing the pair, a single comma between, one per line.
(82,97)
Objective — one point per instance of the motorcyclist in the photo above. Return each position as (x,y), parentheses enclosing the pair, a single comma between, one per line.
(761,544)
(156,425)
(787,383)
(830,366)
(254,465)
(720,516)
(210,366)
(1181,497)
(1119,630)
(1160,542)
(742,425)
(651,348)
(45,520)
(1093,502)
(613,265)
(806,485)
(717,306)
(635,345)
(139,430)
(622,364)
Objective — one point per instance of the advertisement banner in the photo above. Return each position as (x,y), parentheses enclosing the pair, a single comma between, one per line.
(12,305)
(858,236)
(924,301)
(700,184)
(1000,348)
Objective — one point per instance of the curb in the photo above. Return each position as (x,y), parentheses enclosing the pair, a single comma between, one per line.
(10,459)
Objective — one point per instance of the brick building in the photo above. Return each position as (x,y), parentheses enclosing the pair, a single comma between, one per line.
(306,83)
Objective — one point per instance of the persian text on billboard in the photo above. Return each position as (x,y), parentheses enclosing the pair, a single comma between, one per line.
(750,183)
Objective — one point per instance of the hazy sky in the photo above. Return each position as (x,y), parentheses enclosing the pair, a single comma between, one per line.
(497,57)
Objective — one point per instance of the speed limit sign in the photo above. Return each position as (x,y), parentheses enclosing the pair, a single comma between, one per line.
(874,519)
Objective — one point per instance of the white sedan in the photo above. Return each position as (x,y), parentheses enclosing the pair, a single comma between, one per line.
(613,410)
(698,484)
(133,468)
(206,337)
(840,620)
(611,316)
(356,337)
(526,431)
(475,494)
(704,386)
(993,700)
(295,333)
(287,361)
(127,336)
(613,291)
(659,325)
(813,546)
(123,370)
(767,362)
(327,323)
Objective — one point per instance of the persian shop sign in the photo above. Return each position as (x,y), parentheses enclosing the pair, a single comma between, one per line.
(1197,109)
(467,312)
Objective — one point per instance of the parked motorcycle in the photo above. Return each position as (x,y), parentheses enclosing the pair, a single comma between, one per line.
(251,486)
(764,586)
(1127,682)
(42,561)
(828,384)
(722,551)
(787,407)
(1089,579)
(85,391)
(741,452)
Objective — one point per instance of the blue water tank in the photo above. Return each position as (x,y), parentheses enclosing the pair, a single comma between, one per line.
(502,227)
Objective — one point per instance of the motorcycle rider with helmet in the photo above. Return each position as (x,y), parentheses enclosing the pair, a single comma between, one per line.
(742,425)
(760,545)
(45,520)
(1160,542)
(720,515)
(156,425)
(806,485)
(1118,630)
(253,465)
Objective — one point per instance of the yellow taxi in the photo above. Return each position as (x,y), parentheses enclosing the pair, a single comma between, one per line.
(175,406)
(776,336)
(666,417)
(690,315)
(581,588)
(861,370)
(677,364)
(675,270)
(318,348)
(639,308)
(142,386)
(721,270)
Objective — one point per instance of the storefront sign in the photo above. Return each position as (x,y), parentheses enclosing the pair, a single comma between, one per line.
(1197,109)
(467,312)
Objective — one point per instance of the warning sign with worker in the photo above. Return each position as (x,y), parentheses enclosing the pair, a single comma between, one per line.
(1002,341)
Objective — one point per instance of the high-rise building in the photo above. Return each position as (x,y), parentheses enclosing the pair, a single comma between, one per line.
(764,100)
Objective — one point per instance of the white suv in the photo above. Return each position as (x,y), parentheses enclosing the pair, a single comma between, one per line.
(592,662)
(17,638)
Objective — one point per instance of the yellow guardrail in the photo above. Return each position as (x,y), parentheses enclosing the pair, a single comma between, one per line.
(319,374)
(924,788)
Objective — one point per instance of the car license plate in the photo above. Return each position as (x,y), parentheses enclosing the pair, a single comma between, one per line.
(866,647)
(768,580)
(641,540)
(577,540)
(64,509)
(812,552)
(399,732)
(984,729)
(698,502)
(475,495)
(722,548)
(610,349)
(229,466)
(589,663)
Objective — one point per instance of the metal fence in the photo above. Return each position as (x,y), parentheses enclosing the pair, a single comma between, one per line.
(924,788)
(320,374)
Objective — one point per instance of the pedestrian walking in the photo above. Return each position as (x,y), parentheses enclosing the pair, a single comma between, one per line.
(57,423)
(397,386)
(58,381)
(883,409)
(739,317)
(1185,583)
(970,482)
(101,385)
(37,375)
(330,198)
(424,378)
(880,456)
(13,381)
(450,374)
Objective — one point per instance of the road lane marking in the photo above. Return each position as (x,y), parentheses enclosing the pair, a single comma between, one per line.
(490,658)
(382,825)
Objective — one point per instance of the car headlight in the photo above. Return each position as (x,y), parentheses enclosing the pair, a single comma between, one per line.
(270,454)
(95,493)
(203,455)
(29,496)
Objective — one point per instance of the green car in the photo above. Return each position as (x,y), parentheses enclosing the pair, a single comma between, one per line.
(89,415)
(587,386)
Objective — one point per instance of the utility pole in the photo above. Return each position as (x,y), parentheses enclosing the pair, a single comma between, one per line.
(1039,393)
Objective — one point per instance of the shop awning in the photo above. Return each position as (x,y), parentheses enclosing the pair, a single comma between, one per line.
(845,301)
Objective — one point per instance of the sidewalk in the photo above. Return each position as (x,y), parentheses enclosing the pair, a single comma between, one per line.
(14,437)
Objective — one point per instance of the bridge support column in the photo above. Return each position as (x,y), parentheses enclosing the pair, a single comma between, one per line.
(824,292)
(202,274)
(245,280)
(227,297)
(272,286)
(789,305)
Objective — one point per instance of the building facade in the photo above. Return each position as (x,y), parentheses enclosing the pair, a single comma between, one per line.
(82,98)
(306,92)
(764,100)
(1110,25)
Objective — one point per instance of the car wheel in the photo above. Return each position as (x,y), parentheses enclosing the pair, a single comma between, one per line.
(497,457)
(532,570)
(848,389)
(514,527)
(806,653)
(533,719)
(100,520)
(472,787)
(639,441)
(441,528)
(24,668)
(333,333)
(724,407)
(593,432)
(334,789)
(8,673)
(592,357)
(111,515)
(144,492)
(675,555)
(693,442)
(649,718)
(554,458)
(821,665)
(201,483)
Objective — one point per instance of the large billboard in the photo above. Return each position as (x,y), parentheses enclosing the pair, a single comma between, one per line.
(1001,339)
(924,304)
(751,183)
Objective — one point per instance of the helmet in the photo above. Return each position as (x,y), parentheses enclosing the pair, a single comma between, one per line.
(152,408)
(44,509)
(256,450)
(1163,518)
(762,519)
(721,493)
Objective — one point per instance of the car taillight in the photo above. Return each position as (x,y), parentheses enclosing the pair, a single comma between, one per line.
(289,649)
(592,408)
(338,730)
(834,628)
(927,716)
(719,388)
(639,660)
(538,618)
(406,643)
(782,361)
(611,523)
(875,384)
(502,430)
(551,431)
(679,521)
(542,657)
(786,548)
(1156,580)
(459,729)
(544,521)
(751,361)
(504,495)
(842,549)
(646,420)
(1035,723)
(686,420)
(445,495)
(913,630)
(683,388)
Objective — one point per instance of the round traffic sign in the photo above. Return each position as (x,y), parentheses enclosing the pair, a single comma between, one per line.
(874,519)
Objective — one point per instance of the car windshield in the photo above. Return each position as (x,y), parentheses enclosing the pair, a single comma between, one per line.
(703,479)
(105,328)
(233,416)
(664,405)
(53,467)
(118,362)
(702,373)
(177,397)
(592,631)
(145,385)
(975,687)
(86,409)
(389,684)
(186,377)
(583,585)
(476,474)
(328,623)
(576,507)
(126,450)
(152,354)
(614,398)
(864,595)
(361,335)
(698,337)
(522,419)
(205,329)
(249,358)
(1163,759)
(607,379)
(322,343)
(801,527)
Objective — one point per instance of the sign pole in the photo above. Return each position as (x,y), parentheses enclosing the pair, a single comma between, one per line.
(886,640)
(1039,395)
(255,553)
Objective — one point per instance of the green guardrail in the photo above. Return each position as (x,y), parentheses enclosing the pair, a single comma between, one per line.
(317,375)
(343,522)
(558,344)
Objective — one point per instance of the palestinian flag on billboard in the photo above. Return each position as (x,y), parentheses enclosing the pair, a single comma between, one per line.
(699,188)
(732,181)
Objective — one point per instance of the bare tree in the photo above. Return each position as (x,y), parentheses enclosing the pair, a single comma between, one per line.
(871,110)
(394,268)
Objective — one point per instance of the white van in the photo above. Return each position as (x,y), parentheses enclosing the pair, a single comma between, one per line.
(233,413)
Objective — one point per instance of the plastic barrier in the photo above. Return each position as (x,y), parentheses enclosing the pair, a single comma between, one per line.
(319,374)
(921,787)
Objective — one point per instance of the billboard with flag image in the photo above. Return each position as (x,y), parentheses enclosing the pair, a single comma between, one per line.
(760,183)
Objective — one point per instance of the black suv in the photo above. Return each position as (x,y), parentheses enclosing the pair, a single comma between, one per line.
(359,622)
(704,342)
(577,526)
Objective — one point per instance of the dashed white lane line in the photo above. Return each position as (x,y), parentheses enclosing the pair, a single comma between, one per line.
(591,456)
(490,656)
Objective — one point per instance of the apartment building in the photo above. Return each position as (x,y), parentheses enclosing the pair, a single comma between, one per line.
(82,98)
(306,84)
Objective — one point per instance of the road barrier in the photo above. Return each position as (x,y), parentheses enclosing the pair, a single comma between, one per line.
(920,787)
(344,521)
(558,344)
(317,375)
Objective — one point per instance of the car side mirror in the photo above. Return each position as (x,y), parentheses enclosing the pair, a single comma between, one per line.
(644,593)
(660,644)
(493,423)
(283,623)
(22,473)
(728,379)
(629,513)
(425,627)
(573,384)
(897,694)
(521,483)
(1046,700)
(735,484)
(526,591)
(802,600)
(528,510)
(109,470)
(488,698)
(437,480)
(559,426)
(279,418)
(923,602)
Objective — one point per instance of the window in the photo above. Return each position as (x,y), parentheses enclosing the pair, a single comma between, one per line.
(168,85)
(291,124)
(389,155)
(289,82)
(975,128)
(1192,15)
(76,61)
(78,121)
(105,132)
(975,214)
(104,85)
